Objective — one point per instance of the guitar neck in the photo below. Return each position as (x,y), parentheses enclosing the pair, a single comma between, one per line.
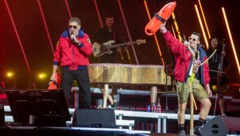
(118,45)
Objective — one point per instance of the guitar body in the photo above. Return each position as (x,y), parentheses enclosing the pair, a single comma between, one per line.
(98,51)
(109,43)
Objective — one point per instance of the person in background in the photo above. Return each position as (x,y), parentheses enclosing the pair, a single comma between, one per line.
(218,81)
(104,35)
(72,52)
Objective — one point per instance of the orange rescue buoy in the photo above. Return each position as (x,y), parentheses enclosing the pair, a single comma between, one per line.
(55,84)
(155,23)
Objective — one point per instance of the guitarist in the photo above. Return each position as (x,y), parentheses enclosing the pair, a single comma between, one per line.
(108,32)
(218,79)
(105,34)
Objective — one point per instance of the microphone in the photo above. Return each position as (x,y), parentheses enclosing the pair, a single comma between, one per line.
(72,36)
(201,45)
(186,43)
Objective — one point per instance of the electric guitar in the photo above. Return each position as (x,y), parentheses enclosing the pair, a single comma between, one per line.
(99,50)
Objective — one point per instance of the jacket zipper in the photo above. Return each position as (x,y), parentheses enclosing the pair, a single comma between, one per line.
(73,55)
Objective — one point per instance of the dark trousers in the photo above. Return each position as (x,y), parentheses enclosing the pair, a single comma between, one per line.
(82,78)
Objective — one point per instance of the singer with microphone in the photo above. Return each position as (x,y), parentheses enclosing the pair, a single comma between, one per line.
(188,57)
(72,52)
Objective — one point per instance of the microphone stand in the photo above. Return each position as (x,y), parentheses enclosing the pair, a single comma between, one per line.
(216,99)
(166,108)
(220,68)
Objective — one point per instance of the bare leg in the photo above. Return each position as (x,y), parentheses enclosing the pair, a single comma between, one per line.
(221,105)
(105,95)
(206,104)
(114,94)
(153,95)
(181,113)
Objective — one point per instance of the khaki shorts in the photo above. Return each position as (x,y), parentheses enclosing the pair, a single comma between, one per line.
(183,90)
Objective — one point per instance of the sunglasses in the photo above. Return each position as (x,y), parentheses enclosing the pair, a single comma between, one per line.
(74,27)
(190,38)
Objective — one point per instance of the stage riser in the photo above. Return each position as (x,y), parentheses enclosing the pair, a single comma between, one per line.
(57,132)
(1,115)
(140,102)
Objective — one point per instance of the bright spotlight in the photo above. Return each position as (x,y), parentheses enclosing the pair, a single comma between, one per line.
(10,74)
(42,75)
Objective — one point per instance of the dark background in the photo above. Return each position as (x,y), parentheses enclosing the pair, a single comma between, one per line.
(33,36)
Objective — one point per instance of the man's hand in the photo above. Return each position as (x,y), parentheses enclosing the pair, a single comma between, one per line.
(163,24)
(209,92)
(74,39)
(163,29)
(53,76)
(54,73)
(223,53)
(120,52)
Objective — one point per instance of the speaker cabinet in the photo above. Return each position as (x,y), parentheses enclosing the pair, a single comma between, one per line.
(97,118)
(221,126)
(1,115)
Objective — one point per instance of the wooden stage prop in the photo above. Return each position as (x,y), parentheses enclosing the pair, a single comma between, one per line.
(126,74)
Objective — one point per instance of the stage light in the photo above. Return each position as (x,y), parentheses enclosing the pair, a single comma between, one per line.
(204,19)
(42,76)
(18,37)
(230,37)
(68,9)
(214,88)
(98,13)
(46,26)
(10,74)
(127,30)
(155,37)
(201,25)
(177,27)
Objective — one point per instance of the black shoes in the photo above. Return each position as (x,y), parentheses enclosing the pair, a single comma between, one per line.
(197,130)
(182,133)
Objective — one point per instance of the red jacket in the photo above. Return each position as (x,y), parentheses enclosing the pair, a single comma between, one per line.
(183,60)
(71,55)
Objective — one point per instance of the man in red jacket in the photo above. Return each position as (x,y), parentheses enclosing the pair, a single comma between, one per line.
(186,57)
(72,52)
